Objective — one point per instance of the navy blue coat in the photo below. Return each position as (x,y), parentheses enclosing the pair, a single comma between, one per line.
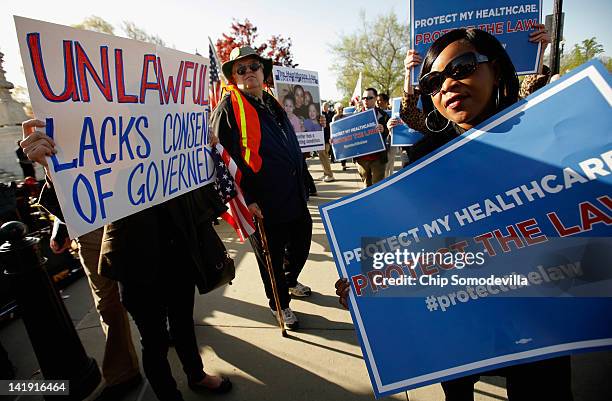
(278,188)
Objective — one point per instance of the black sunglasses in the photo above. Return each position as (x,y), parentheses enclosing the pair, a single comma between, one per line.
(243,68)
(458,68)
(367,98)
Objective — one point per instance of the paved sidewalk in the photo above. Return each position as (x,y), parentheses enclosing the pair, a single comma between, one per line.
(239,336)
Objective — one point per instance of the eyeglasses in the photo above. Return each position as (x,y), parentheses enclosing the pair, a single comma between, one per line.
(458,68)
(367,98)
(243,68)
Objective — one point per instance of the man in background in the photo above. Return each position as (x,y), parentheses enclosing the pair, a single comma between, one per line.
(324,154)
(372,167)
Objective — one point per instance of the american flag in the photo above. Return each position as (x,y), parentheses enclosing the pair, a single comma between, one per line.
(214,87)
(228,186)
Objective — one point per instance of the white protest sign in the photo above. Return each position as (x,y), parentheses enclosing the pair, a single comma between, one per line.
(129,119)
(298,92)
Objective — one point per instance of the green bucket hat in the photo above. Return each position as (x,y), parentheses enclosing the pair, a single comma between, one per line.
(238,53)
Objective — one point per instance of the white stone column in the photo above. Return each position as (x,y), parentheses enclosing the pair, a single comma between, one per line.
(12,115)
(11,111)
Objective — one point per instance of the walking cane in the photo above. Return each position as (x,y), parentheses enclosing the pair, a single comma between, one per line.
(268,261)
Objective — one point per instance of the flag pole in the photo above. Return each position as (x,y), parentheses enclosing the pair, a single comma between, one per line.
(268,261)
(214,49)
(410,88)
(555,55)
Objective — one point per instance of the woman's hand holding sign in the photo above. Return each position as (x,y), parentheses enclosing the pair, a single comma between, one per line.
(342,290)
(36,144)
(540,35)
(394,122)
(412,60)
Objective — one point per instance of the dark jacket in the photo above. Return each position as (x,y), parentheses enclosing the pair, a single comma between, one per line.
(135,249)
(383,118)
(431,142)
(329,117)
(278,187)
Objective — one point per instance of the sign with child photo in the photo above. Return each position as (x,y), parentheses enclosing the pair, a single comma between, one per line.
(298,92)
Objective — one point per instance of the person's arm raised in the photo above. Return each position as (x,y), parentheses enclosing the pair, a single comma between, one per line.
(37,145)
(540,35)
(413,59)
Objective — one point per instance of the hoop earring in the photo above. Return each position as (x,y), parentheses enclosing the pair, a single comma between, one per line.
(497,99)
(433,130)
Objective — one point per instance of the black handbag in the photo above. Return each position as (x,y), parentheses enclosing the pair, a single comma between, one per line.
(218,267)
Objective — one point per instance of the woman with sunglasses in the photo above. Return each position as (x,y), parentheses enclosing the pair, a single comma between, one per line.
(479,97)
(467,77)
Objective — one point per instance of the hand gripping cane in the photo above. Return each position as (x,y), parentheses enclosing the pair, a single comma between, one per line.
(268,261)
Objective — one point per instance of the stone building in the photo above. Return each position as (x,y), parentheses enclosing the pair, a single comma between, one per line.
(11,115)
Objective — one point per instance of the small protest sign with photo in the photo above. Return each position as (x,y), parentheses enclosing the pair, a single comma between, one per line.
(298,92)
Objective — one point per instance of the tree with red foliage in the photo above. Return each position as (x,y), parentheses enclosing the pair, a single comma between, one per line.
(278,48)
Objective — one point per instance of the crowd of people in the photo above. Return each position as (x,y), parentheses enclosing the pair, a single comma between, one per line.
(124,261)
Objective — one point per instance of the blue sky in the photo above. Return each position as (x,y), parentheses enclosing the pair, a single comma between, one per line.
(312,24)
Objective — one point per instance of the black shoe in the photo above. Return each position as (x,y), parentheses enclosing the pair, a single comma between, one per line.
(224,387)
(117,391)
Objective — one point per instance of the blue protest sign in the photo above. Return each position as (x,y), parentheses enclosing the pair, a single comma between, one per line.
(356,135)
(402,135)
(510,21)
(528,194)
(349,110)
